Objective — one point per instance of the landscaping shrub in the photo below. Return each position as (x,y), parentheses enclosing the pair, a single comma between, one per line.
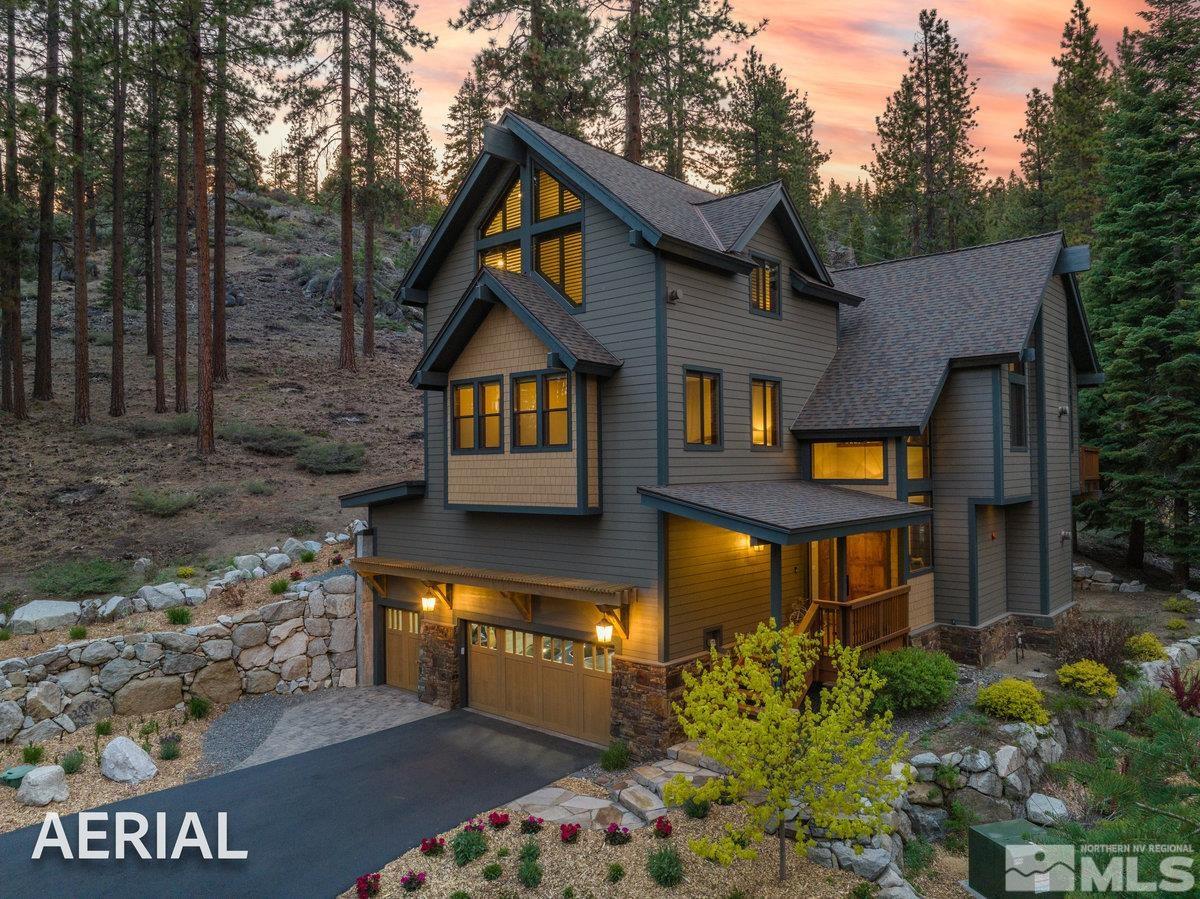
(180,615)
(460,894)
(307,555)
(616,835)
(185,572)
(199,707)
(492,871)
(326,457)
(103,728)
(1145,647)
(916,680)
(5,634)
(530,851)
(1099,639)
(79,577)
(616,756)
(279,585)
(695,808)
(1176,624)
(569,833)
(171,426)
(1184,686)
(168,747)
(1013,699)
(665,866)
(77,632)
(918,855)
(72,761)
(615,872)
(412,881)
(266,440)
(468,845)
(662,827)
(433,845)
(1148,703)
(958,825)
(530,874)
(1089,678)
(498,820)
(532,824)
(161,503)
(367,885)
(32,755)
(1180,605)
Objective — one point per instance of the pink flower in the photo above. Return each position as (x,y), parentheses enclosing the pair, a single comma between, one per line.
(498,820)
(473,824)
(569,833)
(662,826)
(532,825)
(367,885)
(433,846)
(413,880)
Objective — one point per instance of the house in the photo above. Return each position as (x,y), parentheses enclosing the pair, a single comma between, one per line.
(653,419)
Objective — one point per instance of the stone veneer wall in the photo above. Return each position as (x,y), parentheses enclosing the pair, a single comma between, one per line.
(642,694)
(984,645)
(439,674)
(303,642)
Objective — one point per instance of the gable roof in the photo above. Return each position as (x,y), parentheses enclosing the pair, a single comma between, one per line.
(921,315)
(666,213)
(545,316)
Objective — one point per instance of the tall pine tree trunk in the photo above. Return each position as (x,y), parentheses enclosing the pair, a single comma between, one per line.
(181,250)
(204,362)
(10,281)
(116,402)
(83,402)
(369,224)
(346,351)
(633,86)
(43,388)
(220,98)
(1135,553)
(154,271)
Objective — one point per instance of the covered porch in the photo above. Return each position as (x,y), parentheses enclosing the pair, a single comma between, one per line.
(827,560)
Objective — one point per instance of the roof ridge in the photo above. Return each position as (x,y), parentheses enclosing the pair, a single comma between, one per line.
(738,193)
(978,246)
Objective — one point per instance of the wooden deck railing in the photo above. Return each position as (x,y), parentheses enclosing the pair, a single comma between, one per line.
(873,623)
(1089,470)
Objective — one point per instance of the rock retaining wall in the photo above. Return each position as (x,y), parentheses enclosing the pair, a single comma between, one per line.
(303,642)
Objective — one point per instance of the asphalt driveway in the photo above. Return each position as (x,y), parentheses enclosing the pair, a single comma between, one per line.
(311,822)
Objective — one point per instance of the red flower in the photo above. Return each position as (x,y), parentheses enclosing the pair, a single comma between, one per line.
(616,835)
(532,825)
(569,833)
(473,824)
(413,880)
(297,575)
(367,885)
(662,826)
(433,846)
(498,820)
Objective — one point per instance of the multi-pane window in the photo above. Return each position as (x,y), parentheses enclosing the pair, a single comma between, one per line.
(552,198)
(1018,432)
(506,257)
(702,408)
(558,650)
(560,261)
(507,214)
(918,468)
(541,410)
(850,460)
(920,536)
(764,287)
(483,636)
(476,414)
(764,412)
(597,658)
(519,643)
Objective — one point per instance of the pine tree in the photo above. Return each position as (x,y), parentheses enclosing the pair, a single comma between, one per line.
(1144,304)
(181,247)
(471,110)
(1080,101)
(83,404)
(43,386)
(120,49)
(154,210)
(12,367)
(204,364)
(1036,157)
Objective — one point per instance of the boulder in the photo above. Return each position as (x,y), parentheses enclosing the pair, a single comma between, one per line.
(316,627)
(292,548)
(255,657)
(1008,759)
(115,607)
(283,630)
(276,562)
(11,719)
(88,708)
(118,673)
(162,596)
(985,809)
(293,646)
(868,864)
(339,605)
(294,668)
(317,647)
(176,641)
(43,785)
(341,638)
(986,782)
(313,545)
(1016,786)
(319,669)
(43,730)
(348,677)
(316,603)
(43,615)
(194,596)
(182,662)
(1102,577)
(925,794)
(975,760)
(153,694)
(1050,750)
(261,681)
(339,584)
(218,650)
(1021,734)
(126,762)
(142,565)
(1043,809)
(44,700)
(75,681)
(148,652)
(50,658)
(98,652)
(220,682)
(247,635)
(247,563)
(274,612)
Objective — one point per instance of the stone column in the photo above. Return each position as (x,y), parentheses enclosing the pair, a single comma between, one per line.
(642,693)
(439,679)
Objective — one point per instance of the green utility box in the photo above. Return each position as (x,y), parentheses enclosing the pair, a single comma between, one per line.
(1021,855)
(14,776)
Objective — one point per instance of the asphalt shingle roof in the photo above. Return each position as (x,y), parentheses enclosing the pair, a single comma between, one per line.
(918,315)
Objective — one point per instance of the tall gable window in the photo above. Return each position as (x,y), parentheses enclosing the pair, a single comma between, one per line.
(507,215)
(560,261)
(476,413)
(552,198)
(918,457)
(506,257)
(1018,414)
(541,411)
(702,409)
(764,287)
(764,412)
(851,460)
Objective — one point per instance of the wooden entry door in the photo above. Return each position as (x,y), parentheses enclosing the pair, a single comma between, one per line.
(869,562)
(401,647)
(557,683)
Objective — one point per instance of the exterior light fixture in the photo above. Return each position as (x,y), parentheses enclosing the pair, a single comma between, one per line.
(428,603)
(757,543)
(604,631)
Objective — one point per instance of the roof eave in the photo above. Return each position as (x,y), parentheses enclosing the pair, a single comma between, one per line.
(814,290)
(385,493)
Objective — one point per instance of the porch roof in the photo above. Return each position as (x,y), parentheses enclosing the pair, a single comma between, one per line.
(784,512)
(599,592)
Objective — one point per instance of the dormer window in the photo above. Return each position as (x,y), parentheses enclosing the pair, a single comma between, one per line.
(553,199)
(507,214)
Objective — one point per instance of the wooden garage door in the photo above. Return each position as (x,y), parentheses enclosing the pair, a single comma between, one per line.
(552,682)
(401,645)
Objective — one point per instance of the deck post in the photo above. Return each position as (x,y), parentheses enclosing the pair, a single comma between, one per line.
(843,590)
(777,584)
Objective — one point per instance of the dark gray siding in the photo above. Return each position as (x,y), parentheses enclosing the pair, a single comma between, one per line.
(990,562)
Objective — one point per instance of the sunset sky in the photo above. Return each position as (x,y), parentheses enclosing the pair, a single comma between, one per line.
(847,57)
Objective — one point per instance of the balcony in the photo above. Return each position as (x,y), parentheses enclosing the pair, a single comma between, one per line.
(874,623)
(1089,471)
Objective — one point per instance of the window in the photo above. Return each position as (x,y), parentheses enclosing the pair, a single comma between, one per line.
(764,287)
(597,658)
(702,408)
(507,214)
(920,537)
(918,457)
(1018,432)
(764,412)
(558,651)
(476,412)
(854,460)
(483,636)
(552,198)
(506,257)
(519,643)
(541,411)
(560,261)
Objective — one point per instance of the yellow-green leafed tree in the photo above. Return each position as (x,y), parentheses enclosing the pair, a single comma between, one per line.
(749,710)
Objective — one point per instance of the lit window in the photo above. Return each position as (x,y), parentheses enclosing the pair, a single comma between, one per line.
(560,261)
(764,287)
(464,417)
(597,658)
(476,413)
(489,415)
(483,636)
(702,408)
(542,410)
(920,536)
(764,412)
(1018,433)
(552,198)
(848,461)
(506,257)
(507,214)
(918,457)
(525,429)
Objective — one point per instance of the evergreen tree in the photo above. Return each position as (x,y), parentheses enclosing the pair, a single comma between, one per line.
(1036,156)
(471,110)
(1144,303)
(12,216)
(1079,100)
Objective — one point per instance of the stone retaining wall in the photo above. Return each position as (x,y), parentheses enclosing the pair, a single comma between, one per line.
(303,642)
